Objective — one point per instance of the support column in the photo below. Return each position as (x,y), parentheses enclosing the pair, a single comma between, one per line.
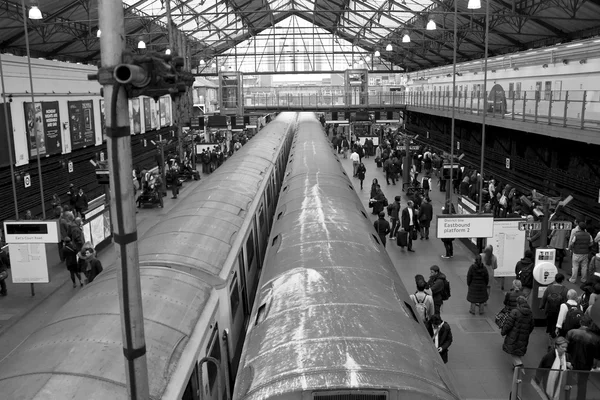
(112,44)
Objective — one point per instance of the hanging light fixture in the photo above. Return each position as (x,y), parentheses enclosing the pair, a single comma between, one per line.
(389,47)
(431,26)
(168,51)
(98,33)
(202,62)
(474,4)
(377,54)
(214,65)
(141,44)
(406,38)
(35,13)
(368,58)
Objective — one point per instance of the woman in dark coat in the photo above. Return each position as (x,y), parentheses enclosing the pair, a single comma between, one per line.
(88,263)
(518,326)
(360,172)
(380,202)
(510,298)
(374,186)
(477,281)
(70,254)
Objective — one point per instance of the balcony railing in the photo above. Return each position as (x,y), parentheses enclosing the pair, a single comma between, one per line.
(578,109)
(544,384)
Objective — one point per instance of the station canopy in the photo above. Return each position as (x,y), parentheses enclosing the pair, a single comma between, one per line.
(295,36)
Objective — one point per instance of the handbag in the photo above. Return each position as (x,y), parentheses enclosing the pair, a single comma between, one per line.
(3,275)
(413,234)
(501,317)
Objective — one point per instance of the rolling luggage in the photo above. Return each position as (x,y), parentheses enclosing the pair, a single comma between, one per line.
(402,238)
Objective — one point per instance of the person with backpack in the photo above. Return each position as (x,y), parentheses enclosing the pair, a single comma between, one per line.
(554,295)
(440,288)
(423,301)
(477,282)
(524,272)
(569,316)
(584,348)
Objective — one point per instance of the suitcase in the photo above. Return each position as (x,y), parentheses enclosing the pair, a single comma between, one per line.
(379,164)
(402,238)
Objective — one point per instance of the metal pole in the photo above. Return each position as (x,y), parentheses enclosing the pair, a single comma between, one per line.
(37,140)
(449,186)
(10,145)
(112,44)
(487,28)
(169,24)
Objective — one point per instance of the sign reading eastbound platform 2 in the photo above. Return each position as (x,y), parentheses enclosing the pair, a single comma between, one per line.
(465,226)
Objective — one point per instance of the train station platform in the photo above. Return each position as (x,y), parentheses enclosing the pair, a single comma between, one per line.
(476,360)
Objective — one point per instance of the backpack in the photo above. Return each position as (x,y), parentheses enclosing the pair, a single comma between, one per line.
(421,307)
(584,301)
(446,292)
(526,276)
(572,319)
(554,300)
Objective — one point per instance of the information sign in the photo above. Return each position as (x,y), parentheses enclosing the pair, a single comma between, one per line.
(561,225)
(31,231)
(530,226)
(544,273)
(509,245)
(465,226)
(28,263)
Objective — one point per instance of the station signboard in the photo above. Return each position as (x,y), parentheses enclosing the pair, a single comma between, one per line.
(31,231)
(530,226)
(465,226)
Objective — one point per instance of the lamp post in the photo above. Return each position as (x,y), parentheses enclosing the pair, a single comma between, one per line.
(487,28)
(37,139)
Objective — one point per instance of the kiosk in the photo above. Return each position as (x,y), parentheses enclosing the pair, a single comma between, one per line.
(356,82)
(230,87)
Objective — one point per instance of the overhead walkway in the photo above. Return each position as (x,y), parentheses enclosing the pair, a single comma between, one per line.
(573,115)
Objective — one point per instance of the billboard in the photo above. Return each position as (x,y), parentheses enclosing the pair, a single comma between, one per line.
(81,124)
(43,122)
(147,114)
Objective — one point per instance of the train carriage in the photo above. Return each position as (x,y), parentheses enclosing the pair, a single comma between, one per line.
(199,266)
(332,319)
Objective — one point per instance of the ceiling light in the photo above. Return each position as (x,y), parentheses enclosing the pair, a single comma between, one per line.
(168,52)
(202,62)
(367,58)
(98,33)
(406,38)
(389,47)
(141,44)
(214,65)
(377,54)
(474,4)
(35,13)
(431,25)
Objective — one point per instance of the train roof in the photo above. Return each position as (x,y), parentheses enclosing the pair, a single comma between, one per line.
(219,207)
(333,312)
(79,354)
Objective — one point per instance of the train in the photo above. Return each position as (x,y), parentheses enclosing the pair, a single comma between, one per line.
(199,268)
(332,318)
(556,81)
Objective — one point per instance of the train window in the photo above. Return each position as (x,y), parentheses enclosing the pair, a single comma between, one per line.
(557,90)
(376,239)
(547,90)
(364,214)
(250,249)
(261,314)
(518,91)
(234,295)
(410,310)
(191,390)
(213,350)
(279,215)
(511,90)
(284,189)
(538,90)
(262,216)
(351,188)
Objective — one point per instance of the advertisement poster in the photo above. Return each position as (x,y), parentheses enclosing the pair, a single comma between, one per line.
(102,120)
(154,114)
(509,245)
(147,114)
(4,145)
(29,263)
(43,122)
(81,124)
(163,111)
(135,116)
(97,230)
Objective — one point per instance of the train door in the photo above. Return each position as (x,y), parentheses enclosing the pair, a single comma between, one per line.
(237,322)
(192,389)
(251,263)
(213,349)
(263,236)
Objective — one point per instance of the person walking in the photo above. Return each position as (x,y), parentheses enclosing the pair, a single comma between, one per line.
(437,284)
(382,227)
(355,162)
(409,222)
(554,295)
(81,203)
(524,272)
(477,282)
(558,241)
(394,213)
(70,253)
(516,330)
(550,376)
(441,333)
(89,265)
(569,314)
(425,218)
(583,348)
(360,173)
(510,298)
(4,267)
(448,245)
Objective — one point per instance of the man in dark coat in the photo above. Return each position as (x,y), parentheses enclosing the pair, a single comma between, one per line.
(441,333)
(394,212)
(4,266)
(517,327)
(409,222)
(436,284)
(584,346)
(425,217)
(382,227)
(524,272)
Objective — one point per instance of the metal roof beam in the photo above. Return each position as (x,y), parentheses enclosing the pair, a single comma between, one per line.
(239,14)
(555,31)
